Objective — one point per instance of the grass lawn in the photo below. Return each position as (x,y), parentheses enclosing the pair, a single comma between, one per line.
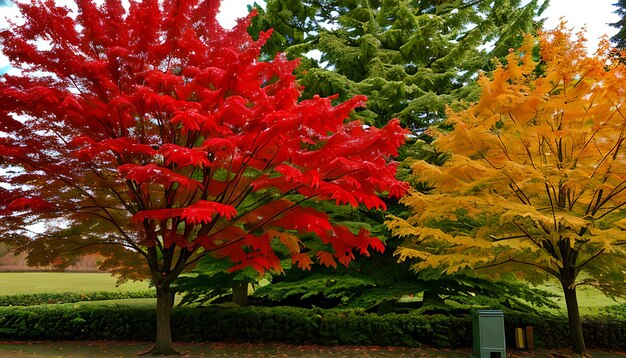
(591,301)
(15,283)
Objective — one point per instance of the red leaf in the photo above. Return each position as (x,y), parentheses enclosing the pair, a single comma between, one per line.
(153,173)
(203,212)
(191,120)
(34,204)
(346,257)
(221,238)
(265,212)
(235,111)
(305,220)
(326,259)
(312,179)
(218,144)
(302,261)
(184,156)
(173,238)
(157,214)
(377,245)
(260,243)
(290,173)
(365,241)
(260,263)
(125,145)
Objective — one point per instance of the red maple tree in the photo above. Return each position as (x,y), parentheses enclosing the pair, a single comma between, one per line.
(155,137)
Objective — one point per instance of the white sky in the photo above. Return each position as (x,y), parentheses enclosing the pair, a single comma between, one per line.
(595,15)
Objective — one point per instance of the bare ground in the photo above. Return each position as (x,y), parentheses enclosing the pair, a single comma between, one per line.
(102,349)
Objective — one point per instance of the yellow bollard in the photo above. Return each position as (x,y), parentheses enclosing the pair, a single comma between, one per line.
(519,338)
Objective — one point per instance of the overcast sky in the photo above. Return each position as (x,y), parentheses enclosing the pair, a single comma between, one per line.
(595,15)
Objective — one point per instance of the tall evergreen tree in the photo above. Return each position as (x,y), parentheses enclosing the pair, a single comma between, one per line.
(411,58)
(620,38)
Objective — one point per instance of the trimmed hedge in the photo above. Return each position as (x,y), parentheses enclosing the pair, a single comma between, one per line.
(290,325)
(70,297)
(246,324)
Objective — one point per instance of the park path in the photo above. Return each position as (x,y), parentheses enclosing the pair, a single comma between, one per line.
(105,349)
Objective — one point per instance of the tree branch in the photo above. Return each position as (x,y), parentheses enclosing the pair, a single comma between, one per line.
(579,267)
(543,268)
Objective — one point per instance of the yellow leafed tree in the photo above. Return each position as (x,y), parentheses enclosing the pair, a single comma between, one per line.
(536,180)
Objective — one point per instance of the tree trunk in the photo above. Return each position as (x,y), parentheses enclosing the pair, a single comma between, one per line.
(573,315)
(431,297)
(163,345)
(240,292)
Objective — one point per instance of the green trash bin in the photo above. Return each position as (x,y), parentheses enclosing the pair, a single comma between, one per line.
(488,334)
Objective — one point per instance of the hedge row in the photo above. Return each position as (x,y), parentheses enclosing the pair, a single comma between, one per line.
(69,297)
(288,324)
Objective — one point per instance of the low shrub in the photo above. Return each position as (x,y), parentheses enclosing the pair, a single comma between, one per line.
(604,331)
(70,297)
(618,310)
(289,325)
(64,322)
(234,324)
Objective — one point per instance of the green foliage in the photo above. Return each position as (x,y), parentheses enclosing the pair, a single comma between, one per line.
(353,327)
(292,325)
(386,288)
(411,58)
(605,331)
(467,291)
(318,289)
(619,39)
(63,322)
(247,324)
(71,297)
(211,281)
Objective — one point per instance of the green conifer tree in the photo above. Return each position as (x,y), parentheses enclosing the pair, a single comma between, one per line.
(620,38)
(411,58)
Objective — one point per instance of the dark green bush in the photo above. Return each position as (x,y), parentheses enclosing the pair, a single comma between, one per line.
(618,310)
(605,331)
(288,324)
(249,324)
(70,297)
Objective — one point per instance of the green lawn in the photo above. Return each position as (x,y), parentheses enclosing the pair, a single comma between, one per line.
(14,283)
(590,300)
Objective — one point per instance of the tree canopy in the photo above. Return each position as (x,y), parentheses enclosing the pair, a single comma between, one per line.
(411,58)
(156,137)
(536,177)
